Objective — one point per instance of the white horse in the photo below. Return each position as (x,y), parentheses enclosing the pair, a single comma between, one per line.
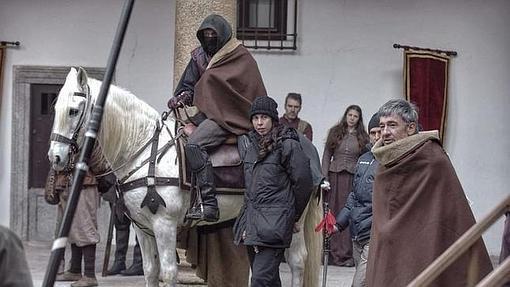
(128,124)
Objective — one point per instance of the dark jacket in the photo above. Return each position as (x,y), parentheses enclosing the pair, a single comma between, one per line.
(278,188)
(194,70)
(358,209)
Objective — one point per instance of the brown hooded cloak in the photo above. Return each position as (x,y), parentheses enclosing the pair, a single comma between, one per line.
(227,88)
(419,210)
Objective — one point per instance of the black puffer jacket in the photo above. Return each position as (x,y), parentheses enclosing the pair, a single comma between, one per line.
(278,188)
(357,212)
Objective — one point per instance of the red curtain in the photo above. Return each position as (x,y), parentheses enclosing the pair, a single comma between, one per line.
(426,85)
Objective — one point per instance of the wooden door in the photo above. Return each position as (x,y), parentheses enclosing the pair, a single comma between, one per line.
(42,216)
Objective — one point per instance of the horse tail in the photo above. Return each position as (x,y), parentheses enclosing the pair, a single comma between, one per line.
(313,242)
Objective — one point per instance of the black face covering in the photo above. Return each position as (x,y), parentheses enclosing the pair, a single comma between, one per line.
(211,45)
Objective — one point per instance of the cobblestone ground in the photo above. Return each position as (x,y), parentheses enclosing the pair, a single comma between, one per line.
(38,254)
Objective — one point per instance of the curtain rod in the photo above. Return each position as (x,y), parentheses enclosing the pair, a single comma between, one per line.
(448,53)
(7,43)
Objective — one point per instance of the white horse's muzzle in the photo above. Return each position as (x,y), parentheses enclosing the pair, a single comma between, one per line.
(58,155)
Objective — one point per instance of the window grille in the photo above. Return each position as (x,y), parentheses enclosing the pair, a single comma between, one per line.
(267,24)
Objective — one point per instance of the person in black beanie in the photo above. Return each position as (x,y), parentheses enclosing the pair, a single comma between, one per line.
(278,185)
(357,212)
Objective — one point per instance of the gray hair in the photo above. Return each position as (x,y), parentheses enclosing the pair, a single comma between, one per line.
(406,110)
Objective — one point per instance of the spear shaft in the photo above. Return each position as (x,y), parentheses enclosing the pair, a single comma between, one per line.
(58,248)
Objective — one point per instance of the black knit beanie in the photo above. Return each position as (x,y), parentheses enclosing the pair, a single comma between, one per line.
(374,122)
(266,106)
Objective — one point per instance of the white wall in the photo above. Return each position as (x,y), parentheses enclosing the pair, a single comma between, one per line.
(344,56)
(59,32)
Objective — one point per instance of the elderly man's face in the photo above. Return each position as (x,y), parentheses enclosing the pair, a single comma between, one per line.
(393,128)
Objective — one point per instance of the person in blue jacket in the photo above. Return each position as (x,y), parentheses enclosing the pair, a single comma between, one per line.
(357,212)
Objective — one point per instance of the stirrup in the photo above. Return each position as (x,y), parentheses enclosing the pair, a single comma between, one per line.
(197,213)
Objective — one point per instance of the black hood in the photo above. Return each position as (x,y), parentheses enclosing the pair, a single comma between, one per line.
(219,25)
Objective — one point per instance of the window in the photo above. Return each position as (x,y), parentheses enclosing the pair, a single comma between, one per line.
(267,24)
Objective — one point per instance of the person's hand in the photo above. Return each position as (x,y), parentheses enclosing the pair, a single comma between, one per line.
(335,229)
(180,100)
(174,103)
(325,185)
(189,128)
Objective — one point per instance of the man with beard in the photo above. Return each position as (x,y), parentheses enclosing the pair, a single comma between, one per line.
(419,207)
(222,79)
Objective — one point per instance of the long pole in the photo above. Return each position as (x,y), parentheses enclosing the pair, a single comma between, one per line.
(325,243)
(81,169)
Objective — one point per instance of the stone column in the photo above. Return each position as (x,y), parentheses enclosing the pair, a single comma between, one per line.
(189,14)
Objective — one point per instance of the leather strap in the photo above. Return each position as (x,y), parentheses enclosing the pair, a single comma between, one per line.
(144,181)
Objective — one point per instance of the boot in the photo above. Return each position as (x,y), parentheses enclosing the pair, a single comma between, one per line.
(201,167)
(85,281)
(137,267)
(74,272)
(76,256)
(117,268)
(89,259)
(68,276)
(121,247)
(133,270)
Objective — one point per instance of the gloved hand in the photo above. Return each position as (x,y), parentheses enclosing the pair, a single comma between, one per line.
(337,228)
(325,185)
(178,101)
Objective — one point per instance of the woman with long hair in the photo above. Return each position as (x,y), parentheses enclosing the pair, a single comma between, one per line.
(278,184)
(346,141)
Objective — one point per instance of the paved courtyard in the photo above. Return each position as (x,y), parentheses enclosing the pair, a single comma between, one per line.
(38,254)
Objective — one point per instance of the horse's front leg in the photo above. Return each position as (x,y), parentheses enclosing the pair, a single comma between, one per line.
(165,230)
(150,257)
(296,258)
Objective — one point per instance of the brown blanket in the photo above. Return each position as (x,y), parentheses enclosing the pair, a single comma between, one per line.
(419,210)
(227,88)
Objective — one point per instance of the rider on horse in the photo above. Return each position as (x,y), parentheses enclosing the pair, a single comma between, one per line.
(221,79)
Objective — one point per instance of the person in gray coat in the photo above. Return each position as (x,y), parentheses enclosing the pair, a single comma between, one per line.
(14,270)
(278,186)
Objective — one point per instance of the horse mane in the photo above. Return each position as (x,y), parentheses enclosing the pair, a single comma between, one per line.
(127,124)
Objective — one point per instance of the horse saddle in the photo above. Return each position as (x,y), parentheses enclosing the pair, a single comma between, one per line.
(227,168)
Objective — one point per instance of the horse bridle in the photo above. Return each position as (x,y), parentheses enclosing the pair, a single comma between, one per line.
(73,141)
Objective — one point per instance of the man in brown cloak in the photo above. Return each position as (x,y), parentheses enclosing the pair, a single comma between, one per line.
(222,79)
(419,207)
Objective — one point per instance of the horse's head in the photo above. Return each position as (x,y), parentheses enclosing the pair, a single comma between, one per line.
(73,106)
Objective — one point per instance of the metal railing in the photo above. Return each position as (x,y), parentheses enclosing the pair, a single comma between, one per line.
(278,33)
(496,278)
